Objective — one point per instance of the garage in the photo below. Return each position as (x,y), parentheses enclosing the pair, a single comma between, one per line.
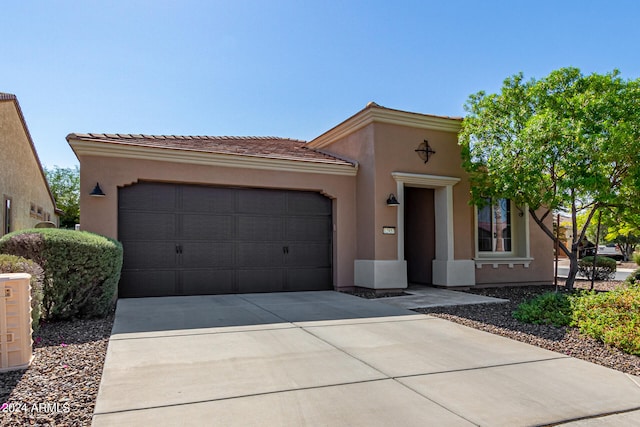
(184,239)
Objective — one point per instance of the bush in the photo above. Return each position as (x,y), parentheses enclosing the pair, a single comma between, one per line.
(605,267)
(633,278)
(636,258)
(611,317)
(81,269)
(549,308)
(16,264)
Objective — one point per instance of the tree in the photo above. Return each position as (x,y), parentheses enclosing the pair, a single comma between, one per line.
(567,142)
(623,228)
(65,186)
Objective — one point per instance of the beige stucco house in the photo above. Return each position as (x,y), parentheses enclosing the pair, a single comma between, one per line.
(24,192)
(379,201)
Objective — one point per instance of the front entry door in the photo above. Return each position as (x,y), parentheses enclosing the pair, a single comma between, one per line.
(419,234)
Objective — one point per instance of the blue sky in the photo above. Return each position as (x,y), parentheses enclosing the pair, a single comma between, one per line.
(284,68)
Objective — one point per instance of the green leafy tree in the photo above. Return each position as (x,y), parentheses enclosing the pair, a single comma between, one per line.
(623,228)
(65,186)
(567,142)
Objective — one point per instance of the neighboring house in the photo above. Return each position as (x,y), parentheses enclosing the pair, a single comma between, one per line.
(201,215)
(24,192)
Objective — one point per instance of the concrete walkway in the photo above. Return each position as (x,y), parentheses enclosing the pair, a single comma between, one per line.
(428,296)
(325,358)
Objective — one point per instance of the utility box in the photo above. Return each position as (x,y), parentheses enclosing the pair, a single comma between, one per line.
(16,350)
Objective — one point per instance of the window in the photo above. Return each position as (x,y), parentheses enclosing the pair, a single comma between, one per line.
(494,227)
(6,226)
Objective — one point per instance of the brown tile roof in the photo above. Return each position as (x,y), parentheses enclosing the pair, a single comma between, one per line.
(251,146)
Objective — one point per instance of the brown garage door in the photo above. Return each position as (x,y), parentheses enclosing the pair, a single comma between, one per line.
(191,240)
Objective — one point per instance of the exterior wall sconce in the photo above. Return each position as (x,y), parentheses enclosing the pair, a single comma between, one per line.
(392,201)
(97,191)
(425,151)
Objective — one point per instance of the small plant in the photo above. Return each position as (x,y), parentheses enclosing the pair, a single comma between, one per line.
(633,278)
(611,317)
(16,264)
(605,268)
(549,308)
(636,258)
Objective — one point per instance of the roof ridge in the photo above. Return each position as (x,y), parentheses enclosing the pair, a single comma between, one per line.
(4,96)
(192,137)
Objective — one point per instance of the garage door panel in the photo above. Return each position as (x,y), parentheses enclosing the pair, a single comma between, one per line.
(189,240)
(307,203)
(259,254)
(207,227)
(261,280)
(265,202)
(147,225)
(207,254)
(148,196)
(309,255)
(141,255)
(208,281)
(259,228)
(309,279)
(308,228)
(147,283)
(208,199)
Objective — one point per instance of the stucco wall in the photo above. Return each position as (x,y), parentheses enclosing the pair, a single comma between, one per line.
(383,148)
(100,215)
(20,177)
(358,146)
(395,152)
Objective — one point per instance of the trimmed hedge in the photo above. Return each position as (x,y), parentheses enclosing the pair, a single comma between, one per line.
(605,267)
(16,264)
(81,269)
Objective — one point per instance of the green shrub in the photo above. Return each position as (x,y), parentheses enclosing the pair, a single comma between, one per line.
(611,317)
(636,258)
(81,269)
(633,278)
(16,264)
(605,267)
(549,308)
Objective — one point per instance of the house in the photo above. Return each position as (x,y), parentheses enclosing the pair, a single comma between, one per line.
(24,192)
(379,201)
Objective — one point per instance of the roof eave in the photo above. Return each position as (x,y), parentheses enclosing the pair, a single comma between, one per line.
(376,114)
(83,147)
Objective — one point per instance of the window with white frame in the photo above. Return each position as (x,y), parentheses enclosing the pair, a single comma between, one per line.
(494,232)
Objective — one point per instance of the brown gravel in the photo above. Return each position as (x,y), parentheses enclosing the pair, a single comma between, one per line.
(497,319)
(61,385)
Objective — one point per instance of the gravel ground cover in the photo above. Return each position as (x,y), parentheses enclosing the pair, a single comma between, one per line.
(60,386)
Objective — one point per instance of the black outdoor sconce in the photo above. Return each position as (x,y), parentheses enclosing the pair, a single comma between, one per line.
(392,201)
(97,191)
(425,151)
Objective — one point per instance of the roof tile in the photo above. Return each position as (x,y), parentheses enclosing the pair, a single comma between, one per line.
(251,146)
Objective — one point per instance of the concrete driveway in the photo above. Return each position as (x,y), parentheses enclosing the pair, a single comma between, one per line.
(325,358)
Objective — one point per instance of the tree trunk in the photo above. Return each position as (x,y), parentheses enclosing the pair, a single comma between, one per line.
(573,270)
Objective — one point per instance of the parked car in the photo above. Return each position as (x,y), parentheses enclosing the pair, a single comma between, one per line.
(611,250)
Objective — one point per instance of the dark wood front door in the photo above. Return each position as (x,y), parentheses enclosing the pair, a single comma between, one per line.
(419,234)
